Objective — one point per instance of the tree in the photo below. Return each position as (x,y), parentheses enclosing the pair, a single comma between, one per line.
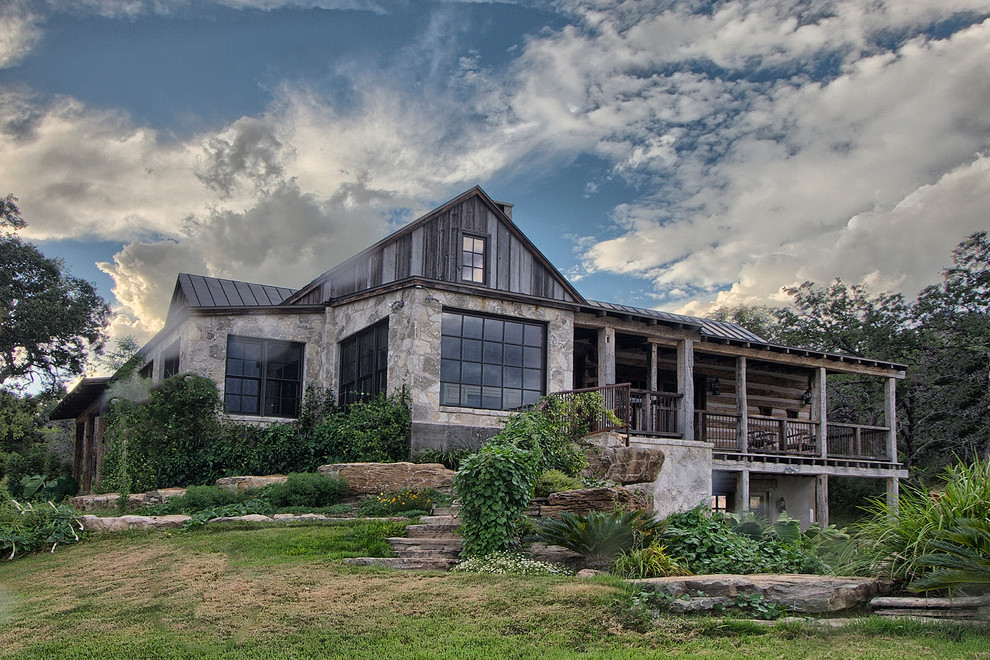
(51,321)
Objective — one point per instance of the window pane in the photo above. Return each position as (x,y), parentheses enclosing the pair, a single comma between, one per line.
(450,347)
(450,371)
(512,377)
(530,397)
(532,378)
(450,394)
(473,327)
(493,352)
(492,374)
(471,373)
(513,356)
(511,399)
(468,244)
(491,397)
(533,357)
(471,396)
(471,350)
(513,333)
(452,324)
(493,330)
(534,335)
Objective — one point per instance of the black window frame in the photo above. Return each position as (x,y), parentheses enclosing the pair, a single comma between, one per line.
(487,363)
(470,258)
(363,372)
(274,381)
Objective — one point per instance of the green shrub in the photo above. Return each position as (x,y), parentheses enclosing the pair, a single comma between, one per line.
(449,458)
(598,536)
(707,544)
(649,562)
(555,481)
(494,487)
(307,489)
(401,502)
(896,539)
(961,557)
(509,564)
(198,498)
(29,528)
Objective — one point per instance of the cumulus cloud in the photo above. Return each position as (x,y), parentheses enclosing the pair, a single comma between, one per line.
(19,32)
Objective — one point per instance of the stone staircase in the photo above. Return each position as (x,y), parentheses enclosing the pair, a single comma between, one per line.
(432,545)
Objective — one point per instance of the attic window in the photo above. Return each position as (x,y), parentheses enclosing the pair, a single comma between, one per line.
(473,259)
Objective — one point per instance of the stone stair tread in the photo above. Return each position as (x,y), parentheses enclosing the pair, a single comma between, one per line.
(424,542)
(440,520)
(427,531)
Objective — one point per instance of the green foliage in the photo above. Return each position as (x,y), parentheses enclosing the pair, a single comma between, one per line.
(174,435)
(449,458)
(650,561)
(401,502)
(961,557)
(555,481)
(494,487)
(598,536)
(505,563)
(307,489)
(575,416)
(707,544)
(895,540)
(28,528)
(753,606)
(198,498)
(51,321)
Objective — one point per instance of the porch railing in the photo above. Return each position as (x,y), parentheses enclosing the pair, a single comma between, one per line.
(653,413)
(616,399)
(781,435)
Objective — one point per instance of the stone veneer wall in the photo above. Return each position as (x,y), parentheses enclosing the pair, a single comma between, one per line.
(203,344)
(414,355)
(686,478)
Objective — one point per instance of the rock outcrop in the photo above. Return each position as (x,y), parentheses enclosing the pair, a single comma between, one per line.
(592,499)
(122,523)
(241,484)
(374,478)
(624,465)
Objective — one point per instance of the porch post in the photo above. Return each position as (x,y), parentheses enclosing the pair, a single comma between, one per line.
(685,385)
(893,493)
(890,417)
(606,356)
(821,500)
(742,492)
(819,409)
(653,378)
(742,410)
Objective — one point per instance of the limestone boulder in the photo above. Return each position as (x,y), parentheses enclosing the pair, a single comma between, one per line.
(123,523)
(624,465)
(593,499)
(811,594)
(241,484)
(106,502)
(251,517)
(374,478)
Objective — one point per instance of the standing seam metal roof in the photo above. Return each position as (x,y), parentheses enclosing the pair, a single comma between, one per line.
(201,291)
(707,327)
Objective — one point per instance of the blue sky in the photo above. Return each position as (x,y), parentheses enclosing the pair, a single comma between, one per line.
(660,153)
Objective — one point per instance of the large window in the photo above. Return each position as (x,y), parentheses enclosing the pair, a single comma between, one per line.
(264,377)
(473,259)
(170,361)
(364,363)
(491,362)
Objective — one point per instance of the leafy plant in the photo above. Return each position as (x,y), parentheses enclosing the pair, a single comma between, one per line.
(753,606)
(895,539)
(555,481)
(961,557)
(598,536)
(648,562)
(449,458)
(307,489)
(401,502)
(495,486)
(27,528)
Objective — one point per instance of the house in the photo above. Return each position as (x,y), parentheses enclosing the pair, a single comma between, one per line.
(461,307)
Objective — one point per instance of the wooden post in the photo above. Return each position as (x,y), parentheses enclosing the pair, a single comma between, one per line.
(742,408)
(653,377)
(893,493)
(821,500)
(742,492)
(606,356)
(890,418)
(685,385)
(819,409)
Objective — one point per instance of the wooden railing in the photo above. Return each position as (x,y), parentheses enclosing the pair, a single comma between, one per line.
(616,399)
(653,413)
(781,435)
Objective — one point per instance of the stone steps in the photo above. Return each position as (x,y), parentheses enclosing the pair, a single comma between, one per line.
(432,545)
(404,563)
(421,547)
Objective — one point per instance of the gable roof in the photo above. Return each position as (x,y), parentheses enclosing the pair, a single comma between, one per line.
(366,270)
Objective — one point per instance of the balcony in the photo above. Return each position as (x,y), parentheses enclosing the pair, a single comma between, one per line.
(796,437)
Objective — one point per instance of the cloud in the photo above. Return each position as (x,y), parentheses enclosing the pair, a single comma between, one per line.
(19,32)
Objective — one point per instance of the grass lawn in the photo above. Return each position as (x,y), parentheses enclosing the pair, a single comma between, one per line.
(281,592)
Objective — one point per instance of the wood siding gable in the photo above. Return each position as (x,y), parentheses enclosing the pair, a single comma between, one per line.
(430,248)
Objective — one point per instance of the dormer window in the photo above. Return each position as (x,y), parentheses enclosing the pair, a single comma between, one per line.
(473,259)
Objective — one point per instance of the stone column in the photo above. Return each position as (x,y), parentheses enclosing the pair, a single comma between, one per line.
(819,409)
(606,356)
(821,500)
(742,410)
(685,385)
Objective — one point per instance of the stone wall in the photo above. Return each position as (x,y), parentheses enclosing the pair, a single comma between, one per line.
(686,478)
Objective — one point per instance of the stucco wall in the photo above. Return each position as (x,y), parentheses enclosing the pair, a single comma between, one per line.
(685,481)
(799,497)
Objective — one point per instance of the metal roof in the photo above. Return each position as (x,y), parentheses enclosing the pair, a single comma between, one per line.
(80,398)
(707,327)
(201,291)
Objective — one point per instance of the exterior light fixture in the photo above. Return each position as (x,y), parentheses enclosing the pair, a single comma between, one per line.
(716,388)
(806,397)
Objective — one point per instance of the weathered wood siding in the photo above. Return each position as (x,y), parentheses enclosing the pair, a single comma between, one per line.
(433,251)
